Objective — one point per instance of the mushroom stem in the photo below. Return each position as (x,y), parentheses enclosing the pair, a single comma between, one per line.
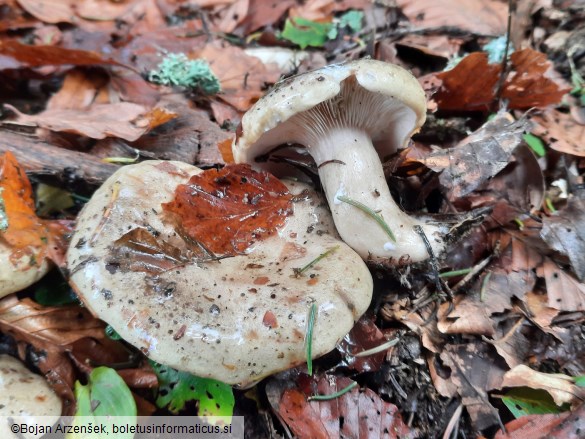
(357,173)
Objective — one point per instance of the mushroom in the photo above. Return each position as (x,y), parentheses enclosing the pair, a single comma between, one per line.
(25,398)
(236,319)
(18,270)
(347,116)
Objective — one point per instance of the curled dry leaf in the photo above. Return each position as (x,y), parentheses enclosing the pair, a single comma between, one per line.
(228,210)
(561,387)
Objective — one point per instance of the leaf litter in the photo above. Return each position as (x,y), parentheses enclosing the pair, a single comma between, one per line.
(76,78)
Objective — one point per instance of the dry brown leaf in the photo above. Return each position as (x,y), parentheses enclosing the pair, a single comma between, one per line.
(433,45)
(232,15)
(357,413)
(564,232)
(474,370)
(561,387)
(566,425)
(243,78)
(79,90)
(322,10)
(477,16)
(565,293)
(263,13)
(561,132)
(50,11)
(468,316)
(363,336)
(477,158)
(123,120)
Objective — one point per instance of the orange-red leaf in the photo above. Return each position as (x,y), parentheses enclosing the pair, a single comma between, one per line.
(230,209)
(24,229)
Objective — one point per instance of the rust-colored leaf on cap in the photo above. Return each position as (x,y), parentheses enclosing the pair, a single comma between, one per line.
(228,210)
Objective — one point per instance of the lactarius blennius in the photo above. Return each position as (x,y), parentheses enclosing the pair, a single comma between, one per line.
(349,116)
(158,268)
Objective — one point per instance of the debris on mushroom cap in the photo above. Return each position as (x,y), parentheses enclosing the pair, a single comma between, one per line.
(25,397)
(349,116)
(237,319)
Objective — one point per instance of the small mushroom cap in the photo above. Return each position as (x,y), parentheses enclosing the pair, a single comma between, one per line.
(25,397)
(236,320)
(17,273)
(391,107)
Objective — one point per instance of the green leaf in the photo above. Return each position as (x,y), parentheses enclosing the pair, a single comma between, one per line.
(112,334)
(535,144)
(523,401)
(106,394)
(306,32)
(176,388)
(580,380)
(352,19)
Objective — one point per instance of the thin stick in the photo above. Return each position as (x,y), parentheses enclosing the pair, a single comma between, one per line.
(500,88)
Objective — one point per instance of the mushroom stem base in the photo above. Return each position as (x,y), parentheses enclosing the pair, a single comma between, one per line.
(349,166)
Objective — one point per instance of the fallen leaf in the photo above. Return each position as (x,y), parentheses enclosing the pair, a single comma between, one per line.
(14,55)
(479,157)
(561,387)
(319,10)
(476,16)
(228,210)
(124,120)
(561,132)
(471,84)
(467,316)
(263,13)
(568,425)
(357,413)
(564,292)
(78,91)
(50,11)
(564,232)
(363,336)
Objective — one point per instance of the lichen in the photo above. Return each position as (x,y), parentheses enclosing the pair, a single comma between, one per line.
(177,69)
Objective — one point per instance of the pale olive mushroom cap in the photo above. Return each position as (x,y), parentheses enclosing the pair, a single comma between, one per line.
(25,397)
(236,320)
(17,273)
(391,103)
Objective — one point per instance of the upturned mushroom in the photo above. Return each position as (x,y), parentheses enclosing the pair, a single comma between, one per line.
(348,116)
(25,398)
(235,319)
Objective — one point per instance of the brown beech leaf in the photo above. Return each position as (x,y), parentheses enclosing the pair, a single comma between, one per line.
(123,120)
(364,413)
(228,210)
(532,82)
(471,84)
(320,10)
(50,11)
(566,425)
(564,232)
(560,131)
(478,16)
(140,250)
(14,55)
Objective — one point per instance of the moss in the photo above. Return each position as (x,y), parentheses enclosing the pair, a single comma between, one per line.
(177,69)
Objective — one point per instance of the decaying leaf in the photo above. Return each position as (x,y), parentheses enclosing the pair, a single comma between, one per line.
(228,210)
(568,425)
(365,335)
(479,157)
(564,232)
(561,387)
(363,412)
(50,11)
(564,292)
